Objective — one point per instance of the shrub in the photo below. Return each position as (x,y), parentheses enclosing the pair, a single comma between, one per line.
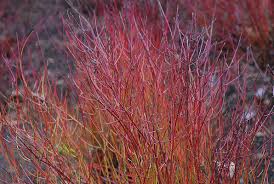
(250,20)
(150,108)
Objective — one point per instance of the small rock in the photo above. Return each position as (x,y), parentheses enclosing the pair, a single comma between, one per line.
(250,114)
(260,92)
(266,102)
(231,169)
(260,134)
